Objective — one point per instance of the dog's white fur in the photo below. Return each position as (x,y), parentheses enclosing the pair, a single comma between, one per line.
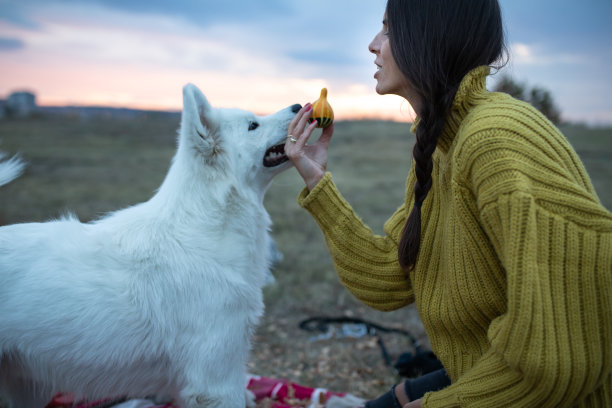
(10,169)
(158,298)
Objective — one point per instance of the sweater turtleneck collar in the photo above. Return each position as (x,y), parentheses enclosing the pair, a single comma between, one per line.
(472,88)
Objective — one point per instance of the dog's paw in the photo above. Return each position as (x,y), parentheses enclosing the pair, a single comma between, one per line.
(249,397)
(201,401)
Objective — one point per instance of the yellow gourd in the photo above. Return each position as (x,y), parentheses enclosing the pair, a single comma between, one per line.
(322,111)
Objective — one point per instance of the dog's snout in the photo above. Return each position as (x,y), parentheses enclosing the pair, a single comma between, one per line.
(296,108)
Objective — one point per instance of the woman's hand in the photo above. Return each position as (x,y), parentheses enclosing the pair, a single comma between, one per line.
(309,160)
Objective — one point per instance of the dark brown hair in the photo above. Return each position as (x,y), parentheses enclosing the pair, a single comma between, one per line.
(435,43)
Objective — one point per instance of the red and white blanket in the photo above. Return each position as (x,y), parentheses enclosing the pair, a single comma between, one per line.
(269,393)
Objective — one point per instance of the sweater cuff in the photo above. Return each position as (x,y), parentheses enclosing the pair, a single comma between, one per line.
(325,203)
(306,197)
(446,398)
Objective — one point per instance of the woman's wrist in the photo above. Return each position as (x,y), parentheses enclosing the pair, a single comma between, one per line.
(400,394)
(394,398)
(312,181)
(386,400)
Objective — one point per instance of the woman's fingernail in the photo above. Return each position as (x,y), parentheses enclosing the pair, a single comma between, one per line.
(308,107)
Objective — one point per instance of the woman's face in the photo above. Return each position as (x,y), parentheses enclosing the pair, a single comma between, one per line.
(390,79)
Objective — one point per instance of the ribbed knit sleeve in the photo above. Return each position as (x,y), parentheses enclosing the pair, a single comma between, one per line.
(366,263)
(553,345)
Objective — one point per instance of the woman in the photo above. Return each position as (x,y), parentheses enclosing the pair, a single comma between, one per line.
(501,241)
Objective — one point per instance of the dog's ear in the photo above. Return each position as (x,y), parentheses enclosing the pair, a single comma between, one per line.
(199,119)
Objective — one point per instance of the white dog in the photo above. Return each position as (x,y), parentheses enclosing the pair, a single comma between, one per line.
(158,298)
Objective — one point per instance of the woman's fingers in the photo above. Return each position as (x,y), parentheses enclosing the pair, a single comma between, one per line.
(299,131)
(302,125)
(297,124)
(305,135)
(326,135)
(295,146)
(309,160)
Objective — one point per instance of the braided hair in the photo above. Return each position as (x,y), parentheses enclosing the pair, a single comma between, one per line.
(435,43)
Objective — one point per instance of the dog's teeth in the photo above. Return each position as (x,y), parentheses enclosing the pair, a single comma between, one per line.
(275,155)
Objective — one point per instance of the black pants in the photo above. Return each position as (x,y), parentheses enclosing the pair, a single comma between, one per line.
(415,388)
(434,381)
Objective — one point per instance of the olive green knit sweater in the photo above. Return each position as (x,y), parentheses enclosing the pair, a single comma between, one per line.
(513,280)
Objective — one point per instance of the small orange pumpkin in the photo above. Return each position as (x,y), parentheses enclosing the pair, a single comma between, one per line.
(322,111)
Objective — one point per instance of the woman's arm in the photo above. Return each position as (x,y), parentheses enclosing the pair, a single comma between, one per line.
(366,263)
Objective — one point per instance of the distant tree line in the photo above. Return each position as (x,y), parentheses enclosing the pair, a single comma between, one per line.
(540,98)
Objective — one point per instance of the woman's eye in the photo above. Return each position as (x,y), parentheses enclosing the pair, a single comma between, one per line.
(253,125)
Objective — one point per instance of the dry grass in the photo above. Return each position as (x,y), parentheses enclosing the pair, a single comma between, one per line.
(93,166)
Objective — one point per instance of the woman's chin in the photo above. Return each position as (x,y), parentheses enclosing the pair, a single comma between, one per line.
(380,90)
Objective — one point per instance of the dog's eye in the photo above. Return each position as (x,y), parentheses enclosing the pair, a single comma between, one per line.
(253,125)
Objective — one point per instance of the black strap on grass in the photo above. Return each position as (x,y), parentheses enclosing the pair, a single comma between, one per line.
(408,365)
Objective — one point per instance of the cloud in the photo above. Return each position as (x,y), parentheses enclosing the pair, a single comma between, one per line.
(204,12)
(17,13)
(283,26)
(324,56)
(10,44)
(533,54)
(238,37)
(94,34)
(201,12)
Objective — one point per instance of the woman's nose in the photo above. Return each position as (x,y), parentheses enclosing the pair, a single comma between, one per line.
(373,47)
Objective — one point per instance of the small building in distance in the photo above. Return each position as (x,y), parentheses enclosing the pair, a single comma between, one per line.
(20,104)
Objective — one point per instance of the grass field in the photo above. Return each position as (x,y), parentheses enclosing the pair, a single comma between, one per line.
(97,165)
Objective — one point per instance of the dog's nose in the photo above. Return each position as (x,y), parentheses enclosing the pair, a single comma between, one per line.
(296,108)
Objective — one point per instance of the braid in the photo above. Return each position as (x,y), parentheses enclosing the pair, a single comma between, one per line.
(432,122)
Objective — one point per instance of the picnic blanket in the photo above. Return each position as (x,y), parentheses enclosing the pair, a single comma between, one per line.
(269,393)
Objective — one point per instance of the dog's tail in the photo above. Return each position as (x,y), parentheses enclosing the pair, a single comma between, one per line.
(10,169)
